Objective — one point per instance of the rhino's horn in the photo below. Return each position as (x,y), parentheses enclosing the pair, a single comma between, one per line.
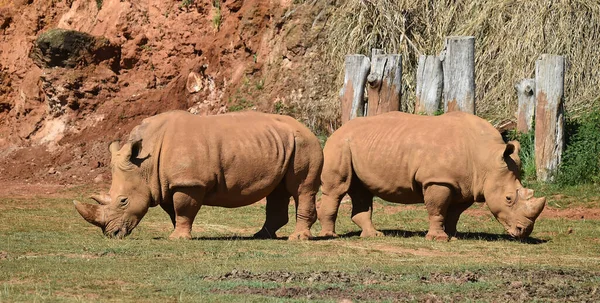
(91,213)
(534,208)
(101,199)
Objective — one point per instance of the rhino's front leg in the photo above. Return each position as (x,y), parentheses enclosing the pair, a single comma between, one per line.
(437,198)
(452,216)
(186,202)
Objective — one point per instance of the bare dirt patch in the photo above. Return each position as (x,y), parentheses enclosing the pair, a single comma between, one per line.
(573,213)
(506,284)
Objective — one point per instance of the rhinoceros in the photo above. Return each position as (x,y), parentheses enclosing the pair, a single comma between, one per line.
(447,162)
(181,161)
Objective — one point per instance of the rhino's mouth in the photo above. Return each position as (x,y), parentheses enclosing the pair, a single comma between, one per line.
(117,231)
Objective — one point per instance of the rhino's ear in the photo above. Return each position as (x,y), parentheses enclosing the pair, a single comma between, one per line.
(505,154)
(512,150)
(141,148)
(114,147)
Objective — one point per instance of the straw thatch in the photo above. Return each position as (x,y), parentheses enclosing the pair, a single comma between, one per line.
(510,36)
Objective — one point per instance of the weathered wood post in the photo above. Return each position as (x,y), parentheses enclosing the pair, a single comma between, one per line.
(526,110)
(458,60)
(549,114)
(385,84)
(430,84)
(352,94)
(374,52)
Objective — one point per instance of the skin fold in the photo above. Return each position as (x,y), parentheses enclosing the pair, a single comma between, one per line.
(181,162)
(447,162)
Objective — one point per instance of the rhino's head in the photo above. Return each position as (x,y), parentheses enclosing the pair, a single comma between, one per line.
(514,206)
(128,200)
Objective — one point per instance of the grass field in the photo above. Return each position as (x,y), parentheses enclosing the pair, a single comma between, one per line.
(49,253)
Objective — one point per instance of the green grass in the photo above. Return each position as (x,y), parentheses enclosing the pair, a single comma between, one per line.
(49,253)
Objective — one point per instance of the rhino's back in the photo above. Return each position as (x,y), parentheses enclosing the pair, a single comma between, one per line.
(238,157)
(395,154)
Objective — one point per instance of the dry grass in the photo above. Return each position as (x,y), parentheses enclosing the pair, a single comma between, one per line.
(510,36)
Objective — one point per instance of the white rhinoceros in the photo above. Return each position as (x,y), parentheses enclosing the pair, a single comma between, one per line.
(181,161)
(447,162)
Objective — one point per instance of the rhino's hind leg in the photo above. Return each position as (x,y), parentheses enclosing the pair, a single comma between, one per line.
(437,198)
(452,216)
(277,213)
(362,209)
(186,202)
(305,215)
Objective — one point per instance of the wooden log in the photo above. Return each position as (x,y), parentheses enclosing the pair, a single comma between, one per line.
(458,60)
(549,115)
(385,84)
(526,110)
(430,84)
(352,94)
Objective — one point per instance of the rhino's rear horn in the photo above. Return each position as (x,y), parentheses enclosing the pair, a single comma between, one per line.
(91,213)
(103,199)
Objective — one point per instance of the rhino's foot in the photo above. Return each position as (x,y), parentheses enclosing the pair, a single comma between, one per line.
(328,234)
(265,234)
(300,235)
(180,235)
(439,236)
(371,233)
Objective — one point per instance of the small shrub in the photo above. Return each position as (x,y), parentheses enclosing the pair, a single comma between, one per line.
(240,105)
(186,3)
(581,158)
(99,4)
(217,14)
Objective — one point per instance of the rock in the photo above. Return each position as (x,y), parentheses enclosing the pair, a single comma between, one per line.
(98,179)
(68,48)
(51,171)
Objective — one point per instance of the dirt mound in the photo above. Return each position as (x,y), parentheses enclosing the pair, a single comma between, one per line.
(207,57)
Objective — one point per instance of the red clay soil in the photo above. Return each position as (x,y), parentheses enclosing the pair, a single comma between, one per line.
(56,123)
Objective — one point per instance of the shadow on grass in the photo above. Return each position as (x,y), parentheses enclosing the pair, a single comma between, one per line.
(225,238)
(461,236)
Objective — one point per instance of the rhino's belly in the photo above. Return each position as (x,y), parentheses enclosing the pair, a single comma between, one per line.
(403,196)
(238,196)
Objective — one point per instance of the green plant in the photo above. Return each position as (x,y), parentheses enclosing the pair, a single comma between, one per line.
(581,159)
(99,4)
(438,112)
(217,14)
(260,84)
(240,105)
(186,3)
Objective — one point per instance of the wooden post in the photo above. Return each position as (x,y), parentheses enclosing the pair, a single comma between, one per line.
(458,59)
(385,84)
(549,114)
(352,94)
(376,51)
(526,110)
(430,83)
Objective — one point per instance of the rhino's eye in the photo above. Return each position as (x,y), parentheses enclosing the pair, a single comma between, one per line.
(123,201)
(509,199)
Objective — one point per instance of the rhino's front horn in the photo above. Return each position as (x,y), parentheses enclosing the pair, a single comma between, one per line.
(91,213)
(534,208)
(101,199)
